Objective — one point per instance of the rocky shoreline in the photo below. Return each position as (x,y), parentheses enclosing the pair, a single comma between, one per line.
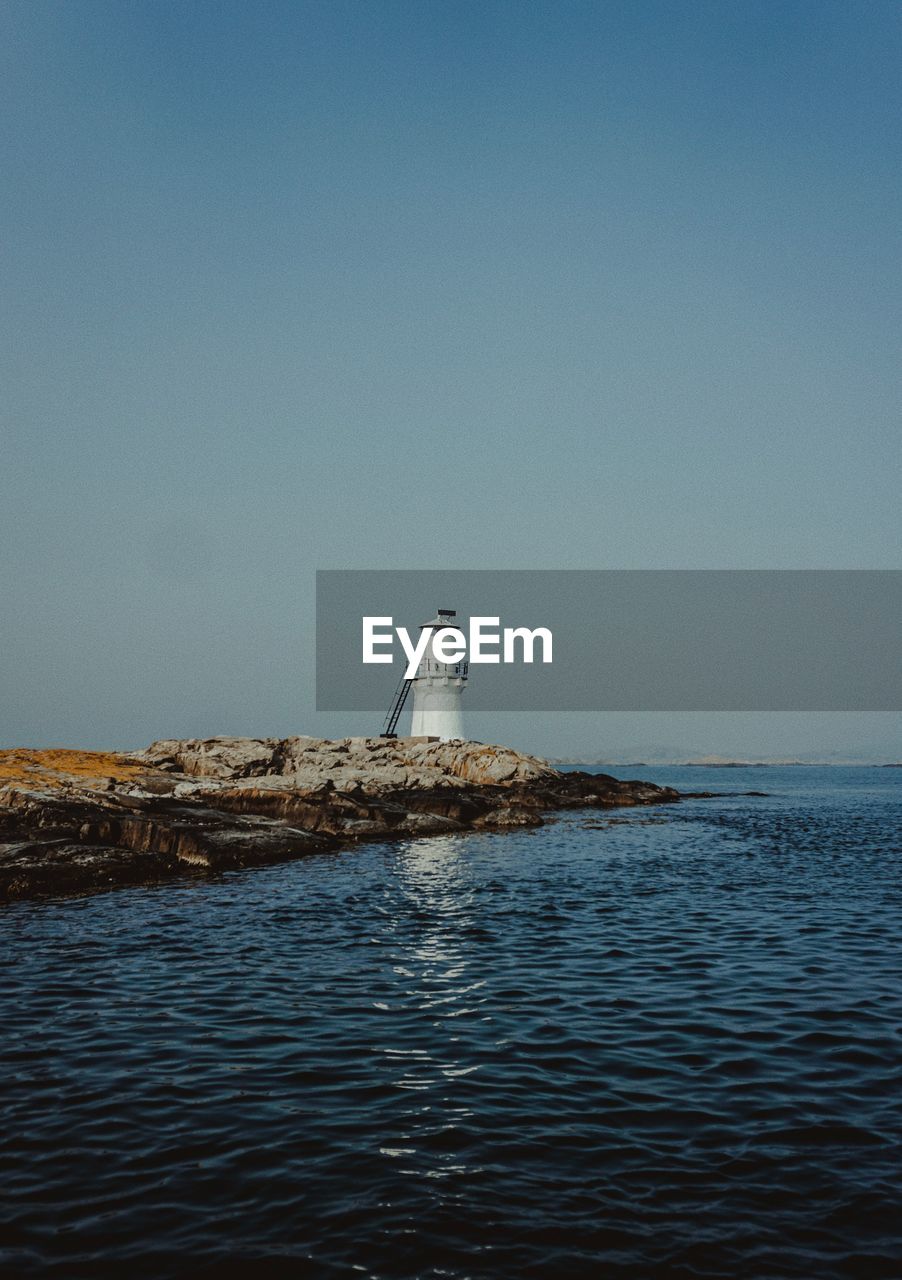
(76,821)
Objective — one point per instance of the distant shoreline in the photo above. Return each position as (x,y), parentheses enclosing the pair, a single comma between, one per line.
(728,764)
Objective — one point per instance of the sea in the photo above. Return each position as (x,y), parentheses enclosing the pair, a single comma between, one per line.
(653,1042)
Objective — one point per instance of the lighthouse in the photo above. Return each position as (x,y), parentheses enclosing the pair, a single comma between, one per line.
(438,688)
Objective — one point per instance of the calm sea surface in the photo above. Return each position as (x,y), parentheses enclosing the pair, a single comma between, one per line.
(651,1043)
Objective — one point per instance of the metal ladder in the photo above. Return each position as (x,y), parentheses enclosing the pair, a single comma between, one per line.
(397,706)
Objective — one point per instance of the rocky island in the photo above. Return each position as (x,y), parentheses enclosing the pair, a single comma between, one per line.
(73,821)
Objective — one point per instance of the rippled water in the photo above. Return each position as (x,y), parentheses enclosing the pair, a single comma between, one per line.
(655,1043)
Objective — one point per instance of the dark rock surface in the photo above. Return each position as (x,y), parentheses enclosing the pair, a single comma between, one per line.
(74,821)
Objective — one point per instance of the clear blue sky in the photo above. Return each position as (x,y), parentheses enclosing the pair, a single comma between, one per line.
(291,285)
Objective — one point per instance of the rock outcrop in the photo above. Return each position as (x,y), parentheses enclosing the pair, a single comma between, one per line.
(72,821)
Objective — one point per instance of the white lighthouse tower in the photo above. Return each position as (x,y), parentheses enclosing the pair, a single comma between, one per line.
(438,688)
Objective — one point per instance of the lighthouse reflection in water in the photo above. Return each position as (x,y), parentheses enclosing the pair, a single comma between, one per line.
(427,1051)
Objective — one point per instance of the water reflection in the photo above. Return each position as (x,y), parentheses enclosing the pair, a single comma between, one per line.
(432,872)
(432,1051)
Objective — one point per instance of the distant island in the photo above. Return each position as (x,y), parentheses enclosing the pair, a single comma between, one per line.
(72,821)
